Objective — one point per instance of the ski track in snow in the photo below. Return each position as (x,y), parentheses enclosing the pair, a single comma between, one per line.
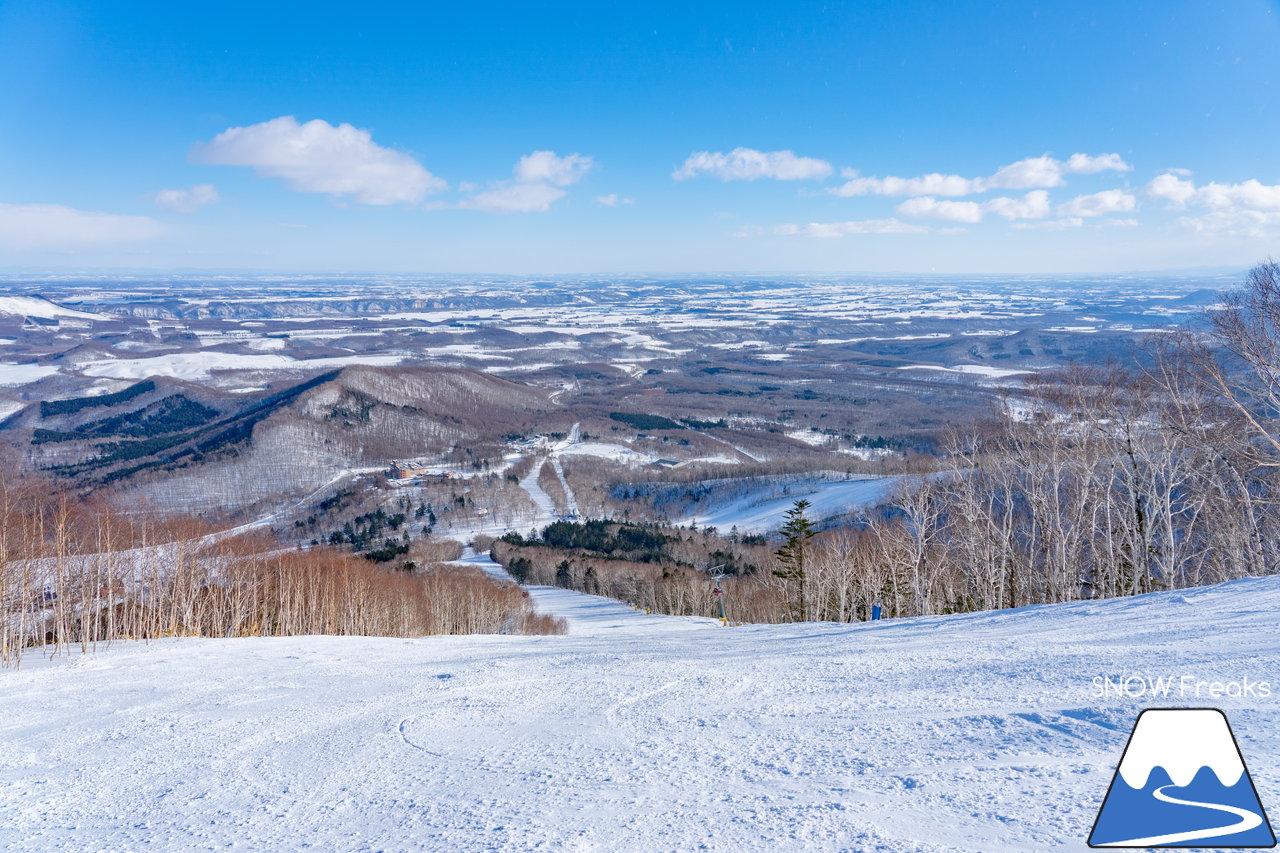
(634,732)
(544,504)
(571,503)
(545,507)
(730,444)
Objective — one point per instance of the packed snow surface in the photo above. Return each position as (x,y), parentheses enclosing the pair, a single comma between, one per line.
(981,732)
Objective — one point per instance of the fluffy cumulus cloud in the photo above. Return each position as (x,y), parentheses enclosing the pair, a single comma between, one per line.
(1170,188)
(538,182)
(1249,208)
(844,229)
(613,200)
(59,228)
(319,157)
(748,164)
(1033,205)
(1026,174)
(1031,173)
(186,201)
(1083,164)
(1247,195)
(1099,204)
(545,167)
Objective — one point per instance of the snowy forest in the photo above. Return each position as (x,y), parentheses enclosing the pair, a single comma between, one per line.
(1098,482)
(75,574)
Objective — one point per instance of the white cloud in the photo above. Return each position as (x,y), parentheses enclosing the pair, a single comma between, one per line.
(1098,204)
(1083,164)
(1249,195)
(1033,205)
(1254,224)
(1247,209)
(546,167)
(1171,188)
(539,179)
(929,207)
(612,200)
(931,184)
(843,229)
(319,157)
(748,164)
(515,198)
(1031,173)
(186,201)
(57,227)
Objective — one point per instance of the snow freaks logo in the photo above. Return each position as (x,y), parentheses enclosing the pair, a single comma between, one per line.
(1181,782)
(1180,687)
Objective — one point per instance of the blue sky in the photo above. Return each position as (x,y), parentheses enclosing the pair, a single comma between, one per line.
(872,136)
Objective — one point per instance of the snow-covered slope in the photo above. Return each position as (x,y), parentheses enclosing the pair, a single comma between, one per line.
(36,306)
(980,732)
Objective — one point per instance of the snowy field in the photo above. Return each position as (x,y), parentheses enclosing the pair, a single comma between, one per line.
(636,733)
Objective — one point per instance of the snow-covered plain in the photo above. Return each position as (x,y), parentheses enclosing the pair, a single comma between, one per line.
(980,732)
(22,374)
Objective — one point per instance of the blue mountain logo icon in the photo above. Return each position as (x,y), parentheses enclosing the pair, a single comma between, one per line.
(1182,782)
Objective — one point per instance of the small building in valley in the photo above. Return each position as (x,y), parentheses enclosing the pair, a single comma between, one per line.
(405,471)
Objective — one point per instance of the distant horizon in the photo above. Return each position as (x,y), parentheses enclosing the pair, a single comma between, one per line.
(231,272)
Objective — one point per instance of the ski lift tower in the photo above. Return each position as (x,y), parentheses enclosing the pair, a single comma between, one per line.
(716,574)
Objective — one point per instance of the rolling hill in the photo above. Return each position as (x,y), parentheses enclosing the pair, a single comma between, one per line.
(206,449)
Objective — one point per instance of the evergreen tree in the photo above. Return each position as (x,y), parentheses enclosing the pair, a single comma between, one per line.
(797,530)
